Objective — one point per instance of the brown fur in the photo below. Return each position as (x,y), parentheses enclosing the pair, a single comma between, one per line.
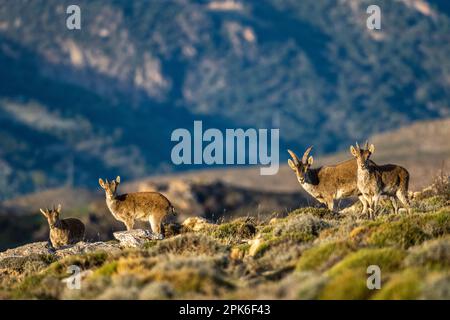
(63,232)
(375,180)
(326,183)
(144,206)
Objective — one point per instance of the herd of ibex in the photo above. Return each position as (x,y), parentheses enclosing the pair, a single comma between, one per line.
(359,177)
(355,177)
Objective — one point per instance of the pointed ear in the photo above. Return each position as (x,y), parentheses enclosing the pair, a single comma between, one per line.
(353,151)
(372,148)
(44,212)
(118,180)
(291,164)
(59,208)
(101,183)
(310,160)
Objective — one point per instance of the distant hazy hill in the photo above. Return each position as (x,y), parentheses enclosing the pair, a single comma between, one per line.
(423,148)
(75,105)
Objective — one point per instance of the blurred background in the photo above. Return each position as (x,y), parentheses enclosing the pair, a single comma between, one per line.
(76,105)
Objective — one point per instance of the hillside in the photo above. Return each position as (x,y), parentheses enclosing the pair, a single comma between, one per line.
(226,193)
(105,99)
(305,254)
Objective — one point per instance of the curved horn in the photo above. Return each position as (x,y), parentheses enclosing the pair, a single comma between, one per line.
(366,146)
(306,155)
(357,146)
(294,157)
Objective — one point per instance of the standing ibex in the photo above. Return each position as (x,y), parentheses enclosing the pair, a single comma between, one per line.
(63,231)
(375,181)
(326,183)
(144,206)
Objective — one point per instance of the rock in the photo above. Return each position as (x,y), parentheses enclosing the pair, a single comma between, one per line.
(196,224)
(26,250)
(135,238)
(87,247)
(255,246)
(41,248)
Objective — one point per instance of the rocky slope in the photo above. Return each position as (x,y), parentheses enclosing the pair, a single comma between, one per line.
(305,254)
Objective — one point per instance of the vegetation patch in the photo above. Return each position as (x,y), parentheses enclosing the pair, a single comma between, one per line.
(433,254)
(323,256)
(189,243)
(347,285)
(405,285)
(306,255)
(322,213)
(235,231)
(85,262)
(403,234)
(107,270)
(388,259)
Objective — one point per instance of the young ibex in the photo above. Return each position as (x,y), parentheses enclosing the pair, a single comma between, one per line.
(326,183)
(375,181)
(144,206)
(63,232)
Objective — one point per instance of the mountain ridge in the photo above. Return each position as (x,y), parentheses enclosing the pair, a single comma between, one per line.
(137,71)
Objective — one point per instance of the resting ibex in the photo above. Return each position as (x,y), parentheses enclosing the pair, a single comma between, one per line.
(63,232)
(145,206)
(375,181)
(326,183)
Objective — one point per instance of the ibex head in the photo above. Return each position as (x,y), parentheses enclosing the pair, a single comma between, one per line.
(110,187)
(362,155)
(52,215)
(301,167)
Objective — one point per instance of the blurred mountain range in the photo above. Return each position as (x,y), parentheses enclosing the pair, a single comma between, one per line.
(103,100)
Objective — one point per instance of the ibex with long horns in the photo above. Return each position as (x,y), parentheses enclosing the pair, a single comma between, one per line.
(375,181)
(328,183)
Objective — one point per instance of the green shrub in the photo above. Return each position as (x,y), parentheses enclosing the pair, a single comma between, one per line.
(38,286)
(236,230)
(434,254)
(401,286)
(322,213)
(107,270)
(388,259)
(347,285)
(403,234)
(437,288)
(189,243)
(301,228)
(323,256)
(84,261)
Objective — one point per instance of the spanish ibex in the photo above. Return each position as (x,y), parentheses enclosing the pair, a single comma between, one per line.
(326,183)
(63,232)
(144,206)
(375,180)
